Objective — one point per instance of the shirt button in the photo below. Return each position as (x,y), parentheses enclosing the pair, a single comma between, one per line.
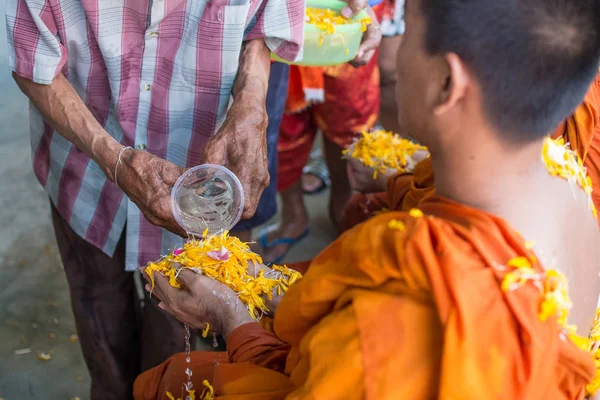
(147,87)
(153,34)
(141,146)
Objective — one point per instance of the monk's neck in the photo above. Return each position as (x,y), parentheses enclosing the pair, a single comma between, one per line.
(489,176)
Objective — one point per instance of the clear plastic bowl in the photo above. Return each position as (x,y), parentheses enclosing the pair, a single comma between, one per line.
(207,196)
(337,48)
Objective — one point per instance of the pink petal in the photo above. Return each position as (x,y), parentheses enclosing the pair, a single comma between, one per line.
(221,255)
(177,252)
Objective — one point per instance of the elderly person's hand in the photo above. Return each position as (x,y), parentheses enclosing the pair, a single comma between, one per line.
(203,300)
(372,36)
(241,143)
(147,180)
(241,146)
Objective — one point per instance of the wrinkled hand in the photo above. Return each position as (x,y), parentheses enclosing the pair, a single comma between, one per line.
(361,178)
(202,300)
(371,37)
(147,180)
(241,146)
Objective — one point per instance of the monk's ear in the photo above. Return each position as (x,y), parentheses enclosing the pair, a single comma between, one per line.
(453,84)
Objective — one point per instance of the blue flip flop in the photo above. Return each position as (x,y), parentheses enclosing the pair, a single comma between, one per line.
(284,240)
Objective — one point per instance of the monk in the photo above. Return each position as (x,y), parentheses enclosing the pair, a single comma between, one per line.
(415,305)
(403,191)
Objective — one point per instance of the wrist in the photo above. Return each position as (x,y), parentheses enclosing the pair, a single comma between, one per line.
(251,109)
(235,321)
(105,153)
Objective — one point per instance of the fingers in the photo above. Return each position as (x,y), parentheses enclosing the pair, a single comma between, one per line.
(371,40)
(161,285)
(188,278)
(354,7)
(253,193)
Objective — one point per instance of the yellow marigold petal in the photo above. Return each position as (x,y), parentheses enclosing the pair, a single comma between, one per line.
(519,262)
(205,330)
(397,225)
(415,213)
(209,392)
(509,280)
(563,162)
(170,395)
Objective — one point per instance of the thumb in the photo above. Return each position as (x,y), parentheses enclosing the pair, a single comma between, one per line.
(353,8)
(215,151)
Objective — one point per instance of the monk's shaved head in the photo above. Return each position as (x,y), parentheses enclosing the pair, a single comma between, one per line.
(533,59)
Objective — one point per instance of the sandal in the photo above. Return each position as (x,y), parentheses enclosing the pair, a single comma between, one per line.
(290,242)
(317,167)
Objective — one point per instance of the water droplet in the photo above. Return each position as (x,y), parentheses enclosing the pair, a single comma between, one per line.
(215,341)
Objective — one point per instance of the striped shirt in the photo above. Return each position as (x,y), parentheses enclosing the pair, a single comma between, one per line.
(157,74)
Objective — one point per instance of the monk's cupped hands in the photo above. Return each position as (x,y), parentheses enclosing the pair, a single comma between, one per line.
(202,300)
(362,178)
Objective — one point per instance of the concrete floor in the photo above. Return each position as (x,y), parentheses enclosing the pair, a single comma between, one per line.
(35,313)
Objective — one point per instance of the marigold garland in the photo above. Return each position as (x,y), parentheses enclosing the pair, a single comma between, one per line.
(383,150)
(561,161)
(565,163)
(226,259)
(555,303)
(593,346)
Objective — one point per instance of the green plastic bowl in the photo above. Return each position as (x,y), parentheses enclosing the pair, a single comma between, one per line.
(337,48)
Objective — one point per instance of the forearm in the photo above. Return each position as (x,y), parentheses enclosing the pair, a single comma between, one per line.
(64,110)
(252,81)
(251,343)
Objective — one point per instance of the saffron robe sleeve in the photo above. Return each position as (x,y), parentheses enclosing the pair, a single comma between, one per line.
(420,314)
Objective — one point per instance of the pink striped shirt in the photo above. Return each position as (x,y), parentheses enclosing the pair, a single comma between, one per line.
(157,74)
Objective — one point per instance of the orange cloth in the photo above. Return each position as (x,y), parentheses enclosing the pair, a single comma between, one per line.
(306,85)
(405,191)
(581,130)
(413,314)
(252,371)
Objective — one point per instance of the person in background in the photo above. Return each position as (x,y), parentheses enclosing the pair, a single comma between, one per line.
(340,101)
(125,95)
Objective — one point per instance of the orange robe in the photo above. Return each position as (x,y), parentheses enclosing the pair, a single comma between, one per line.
(390,314)
(581,130)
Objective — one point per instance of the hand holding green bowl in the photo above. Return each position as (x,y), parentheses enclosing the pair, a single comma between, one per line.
(321,48)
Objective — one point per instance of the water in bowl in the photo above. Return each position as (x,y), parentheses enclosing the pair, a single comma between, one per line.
(207,205)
